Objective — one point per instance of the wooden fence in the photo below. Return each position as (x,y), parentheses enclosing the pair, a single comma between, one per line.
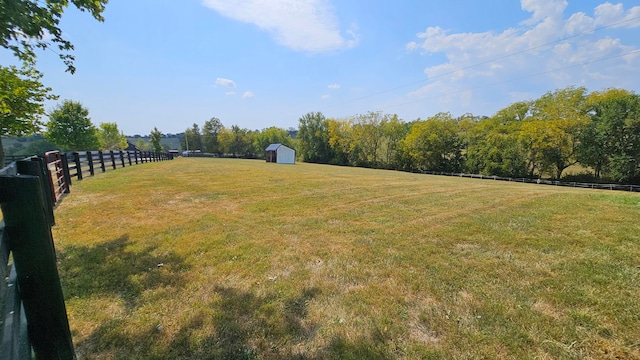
(620,187)
(33,317)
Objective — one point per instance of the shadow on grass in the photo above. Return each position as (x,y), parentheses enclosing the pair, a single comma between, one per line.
(237,324)
(115,269)
(253,327)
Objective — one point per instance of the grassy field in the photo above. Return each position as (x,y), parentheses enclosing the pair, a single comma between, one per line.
(220,258)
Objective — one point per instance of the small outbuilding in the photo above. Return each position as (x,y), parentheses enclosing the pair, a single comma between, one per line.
(281,154)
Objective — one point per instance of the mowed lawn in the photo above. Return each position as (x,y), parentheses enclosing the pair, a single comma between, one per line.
(240,259)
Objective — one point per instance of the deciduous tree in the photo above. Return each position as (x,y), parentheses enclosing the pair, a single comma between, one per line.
(314,138)
(192,139)
(22,97)
(154,138)
(210,131)
(434,144)
(609,142)
(272,135)
(111,138)
(29,24)
(70,127)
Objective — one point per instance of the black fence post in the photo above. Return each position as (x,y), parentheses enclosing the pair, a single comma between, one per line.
(76,158)
(121,157)
(101,156)
(65,171)
(37,167)
(113,159)
(129,157)
(92,169)
(31,243)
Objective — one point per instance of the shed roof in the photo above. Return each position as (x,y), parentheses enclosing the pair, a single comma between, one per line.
(273,147)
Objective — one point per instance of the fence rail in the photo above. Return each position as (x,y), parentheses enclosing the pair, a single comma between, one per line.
(33,317)
(620,187)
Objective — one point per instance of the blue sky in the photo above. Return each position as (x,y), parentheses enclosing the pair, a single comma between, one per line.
(262,63)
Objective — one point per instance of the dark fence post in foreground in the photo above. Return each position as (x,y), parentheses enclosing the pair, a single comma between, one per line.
(90,159)
(76,158)
(67,173)
(113,159)
(31,243)
(37,167)
(101,156)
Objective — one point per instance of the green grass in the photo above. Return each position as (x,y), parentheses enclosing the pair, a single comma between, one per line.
(220,258)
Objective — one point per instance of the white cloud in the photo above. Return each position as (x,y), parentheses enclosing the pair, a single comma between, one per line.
(551,48)
(225,82)
(229,93)
(302,25)
(607,13)
(325,97)
(334,86)
(248,95)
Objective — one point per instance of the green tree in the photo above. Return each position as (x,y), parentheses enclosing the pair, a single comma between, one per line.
(494,148)
(368,133)
(609,142)
(154,138)
(552,131)
(434,144)
(341,141)
(22,97)
(314,138)
(192,140)
(225,138)
(394,131)
(111,138)
(70,127)
(240,143)
(272,135)
(143,145)
(29,24)
(210,131)
(493,144)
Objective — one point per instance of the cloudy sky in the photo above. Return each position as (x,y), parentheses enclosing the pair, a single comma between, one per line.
(261,63)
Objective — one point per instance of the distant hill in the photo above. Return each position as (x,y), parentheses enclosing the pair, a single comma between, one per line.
(172,142)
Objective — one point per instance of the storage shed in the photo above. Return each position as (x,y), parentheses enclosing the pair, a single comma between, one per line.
(280,154)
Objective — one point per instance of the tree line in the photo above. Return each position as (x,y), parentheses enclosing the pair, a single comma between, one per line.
(215,138)
(599,131)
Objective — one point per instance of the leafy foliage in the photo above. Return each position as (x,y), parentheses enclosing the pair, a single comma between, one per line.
(272,135)
(609,143)
(111,138)
(551,133)
(210,131)
(28,24)
(70,127)
(154,138)
(192,139)
(435,144)
(22,97)
(314,138)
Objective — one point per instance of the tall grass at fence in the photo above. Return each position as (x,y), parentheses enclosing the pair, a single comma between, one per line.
(220,258)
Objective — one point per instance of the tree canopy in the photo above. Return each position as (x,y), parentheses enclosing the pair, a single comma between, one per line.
(111,138)
(154,138)
(29,24)
(22,97)
(599,131)
(70,127)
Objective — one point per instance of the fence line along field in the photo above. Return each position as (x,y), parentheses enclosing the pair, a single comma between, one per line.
(222,258)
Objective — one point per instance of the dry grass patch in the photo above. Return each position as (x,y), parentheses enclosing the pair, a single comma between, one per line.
(204,258)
